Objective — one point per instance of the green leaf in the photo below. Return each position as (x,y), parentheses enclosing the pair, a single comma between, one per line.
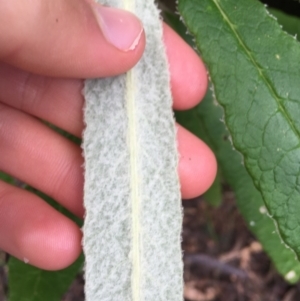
(6,178)
(254,68)
(28,283)
(204,121)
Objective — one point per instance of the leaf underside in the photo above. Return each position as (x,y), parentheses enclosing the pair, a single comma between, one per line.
(253,67)
(132,196)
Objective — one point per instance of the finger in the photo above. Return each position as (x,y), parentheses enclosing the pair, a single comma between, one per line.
(197,164)
(69,38)
(60,101)
(188,73)
(50,241)
(34,232)
(33,153)
(56,100)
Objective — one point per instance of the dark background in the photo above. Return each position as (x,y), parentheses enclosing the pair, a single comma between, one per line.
(291,7)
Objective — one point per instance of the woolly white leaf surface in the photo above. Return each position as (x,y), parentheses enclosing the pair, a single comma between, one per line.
(132,197)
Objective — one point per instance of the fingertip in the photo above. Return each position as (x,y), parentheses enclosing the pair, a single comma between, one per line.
(34,232)
(112,22)
(197,164)
(116,47)
(51,244)
(187,71)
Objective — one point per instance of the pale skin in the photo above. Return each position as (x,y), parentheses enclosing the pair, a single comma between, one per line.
(46,49)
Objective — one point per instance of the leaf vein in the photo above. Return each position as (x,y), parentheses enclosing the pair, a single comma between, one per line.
(259,69)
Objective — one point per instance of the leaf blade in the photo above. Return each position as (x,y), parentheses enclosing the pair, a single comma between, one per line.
(28,283)
(204,121)
(132,196)
(239,39)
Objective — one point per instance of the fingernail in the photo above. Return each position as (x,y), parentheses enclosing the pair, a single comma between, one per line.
(120,28)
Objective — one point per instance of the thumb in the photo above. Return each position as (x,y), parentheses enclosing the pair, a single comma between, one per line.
(69,38)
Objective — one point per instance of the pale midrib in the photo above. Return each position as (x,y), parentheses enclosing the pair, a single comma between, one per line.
(134,187)
(248,52)
(134,177)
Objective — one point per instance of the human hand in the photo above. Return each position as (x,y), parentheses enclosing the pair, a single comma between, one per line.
(46,48)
